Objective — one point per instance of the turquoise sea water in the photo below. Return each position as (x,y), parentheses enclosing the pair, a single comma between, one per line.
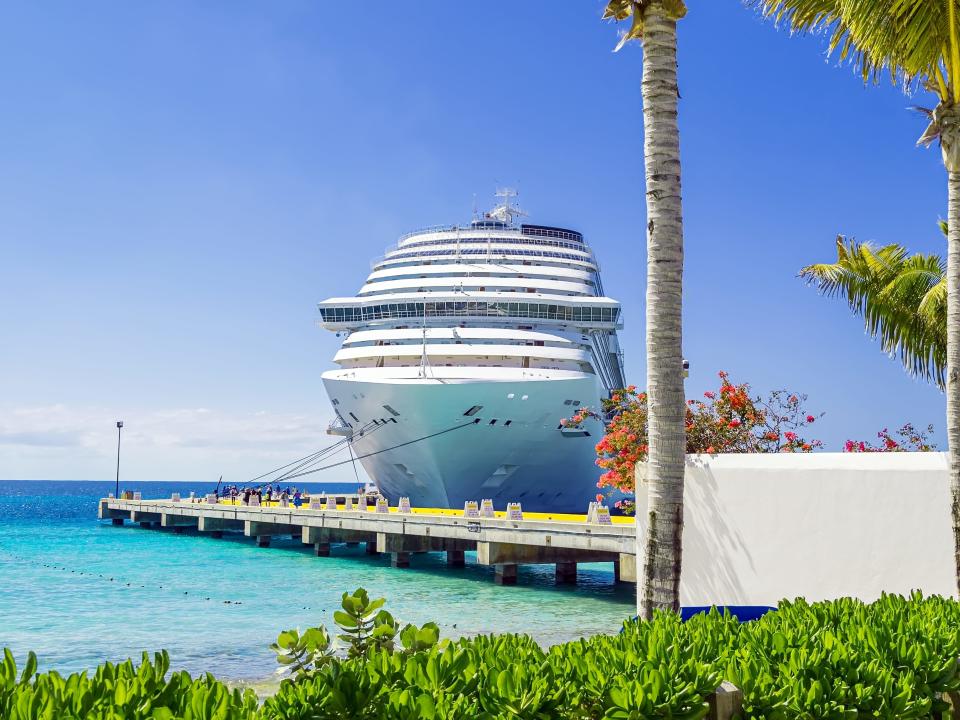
(79,591)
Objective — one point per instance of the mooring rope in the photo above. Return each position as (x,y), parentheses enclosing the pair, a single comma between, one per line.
(377,452)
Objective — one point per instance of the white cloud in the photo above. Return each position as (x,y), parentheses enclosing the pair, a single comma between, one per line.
(62,442)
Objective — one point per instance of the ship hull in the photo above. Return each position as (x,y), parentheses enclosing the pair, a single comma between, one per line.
(509,450)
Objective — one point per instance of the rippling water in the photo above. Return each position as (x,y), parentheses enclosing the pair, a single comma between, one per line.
(79,591)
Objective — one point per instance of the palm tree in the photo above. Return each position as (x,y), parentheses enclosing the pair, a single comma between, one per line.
(654,23)
(901,297)
(918,44)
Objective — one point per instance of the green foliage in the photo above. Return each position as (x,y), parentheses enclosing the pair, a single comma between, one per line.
(364,624)
(894,658)
(119,692)
(846,659)
(303,653)
(902,299)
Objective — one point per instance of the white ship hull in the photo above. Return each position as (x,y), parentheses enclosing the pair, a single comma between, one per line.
(521,457)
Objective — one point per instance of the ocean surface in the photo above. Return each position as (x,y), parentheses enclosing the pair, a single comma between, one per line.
(79,591)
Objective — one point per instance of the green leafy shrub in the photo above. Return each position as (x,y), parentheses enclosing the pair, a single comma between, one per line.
(303,653)
(120,691)
(894,658)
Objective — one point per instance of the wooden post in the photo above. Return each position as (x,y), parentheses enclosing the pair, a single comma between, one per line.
(954,699)
(726,703)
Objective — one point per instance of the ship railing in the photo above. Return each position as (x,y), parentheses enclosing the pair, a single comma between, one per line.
(429,229)
(494,239)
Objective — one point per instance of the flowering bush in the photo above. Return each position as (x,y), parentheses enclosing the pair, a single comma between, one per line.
(728,420)
(910,440)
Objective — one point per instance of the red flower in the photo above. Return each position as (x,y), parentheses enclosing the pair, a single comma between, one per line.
(734,423)
(710,450)
(709,395)
(791,436)
(810,418)
(599,497)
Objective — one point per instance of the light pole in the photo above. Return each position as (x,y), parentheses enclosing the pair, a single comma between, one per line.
(119,426)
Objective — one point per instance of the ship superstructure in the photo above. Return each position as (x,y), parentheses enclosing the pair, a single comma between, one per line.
(463,350)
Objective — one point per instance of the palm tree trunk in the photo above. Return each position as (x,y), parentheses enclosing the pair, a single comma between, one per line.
(953,354)
(661,549)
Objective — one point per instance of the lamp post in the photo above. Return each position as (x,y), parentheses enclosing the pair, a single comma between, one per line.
(119,426)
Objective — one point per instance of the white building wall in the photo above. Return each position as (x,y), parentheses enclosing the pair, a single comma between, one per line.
(758,528)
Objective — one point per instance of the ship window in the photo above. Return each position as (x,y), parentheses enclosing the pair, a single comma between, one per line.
(510,396)
(354,417)
(508,422)
(336,402)
(568,402)
(493,422)
(391,411)
(576,402)
(474,410)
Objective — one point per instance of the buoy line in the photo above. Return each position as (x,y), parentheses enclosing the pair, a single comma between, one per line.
(119,581)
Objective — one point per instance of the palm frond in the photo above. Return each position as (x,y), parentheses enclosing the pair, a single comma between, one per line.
(901,298)
(910,41)
(618,10)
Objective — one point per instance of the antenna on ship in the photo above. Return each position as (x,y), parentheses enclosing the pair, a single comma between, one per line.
(505,210)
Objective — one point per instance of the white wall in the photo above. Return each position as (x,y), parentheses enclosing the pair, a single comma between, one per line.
(758,528)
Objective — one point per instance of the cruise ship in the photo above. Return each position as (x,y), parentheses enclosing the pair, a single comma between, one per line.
(463,350)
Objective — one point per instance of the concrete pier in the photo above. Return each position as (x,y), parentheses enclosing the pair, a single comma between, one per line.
(499,542)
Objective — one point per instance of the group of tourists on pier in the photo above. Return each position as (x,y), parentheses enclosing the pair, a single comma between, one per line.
(264,493)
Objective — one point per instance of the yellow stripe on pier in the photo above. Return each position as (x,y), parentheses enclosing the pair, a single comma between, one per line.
(559,517)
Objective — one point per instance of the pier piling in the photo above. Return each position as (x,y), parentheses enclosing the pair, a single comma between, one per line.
(503,543)
(566,573)
(505,574)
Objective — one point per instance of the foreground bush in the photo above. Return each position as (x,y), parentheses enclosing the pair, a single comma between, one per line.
(119,692)
(895,658)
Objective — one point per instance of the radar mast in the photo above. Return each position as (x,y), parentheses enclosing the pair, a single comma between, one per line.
(505,209)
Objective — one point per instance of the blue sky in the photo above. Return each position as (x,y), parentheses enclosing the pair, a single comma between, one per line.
(181,182)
